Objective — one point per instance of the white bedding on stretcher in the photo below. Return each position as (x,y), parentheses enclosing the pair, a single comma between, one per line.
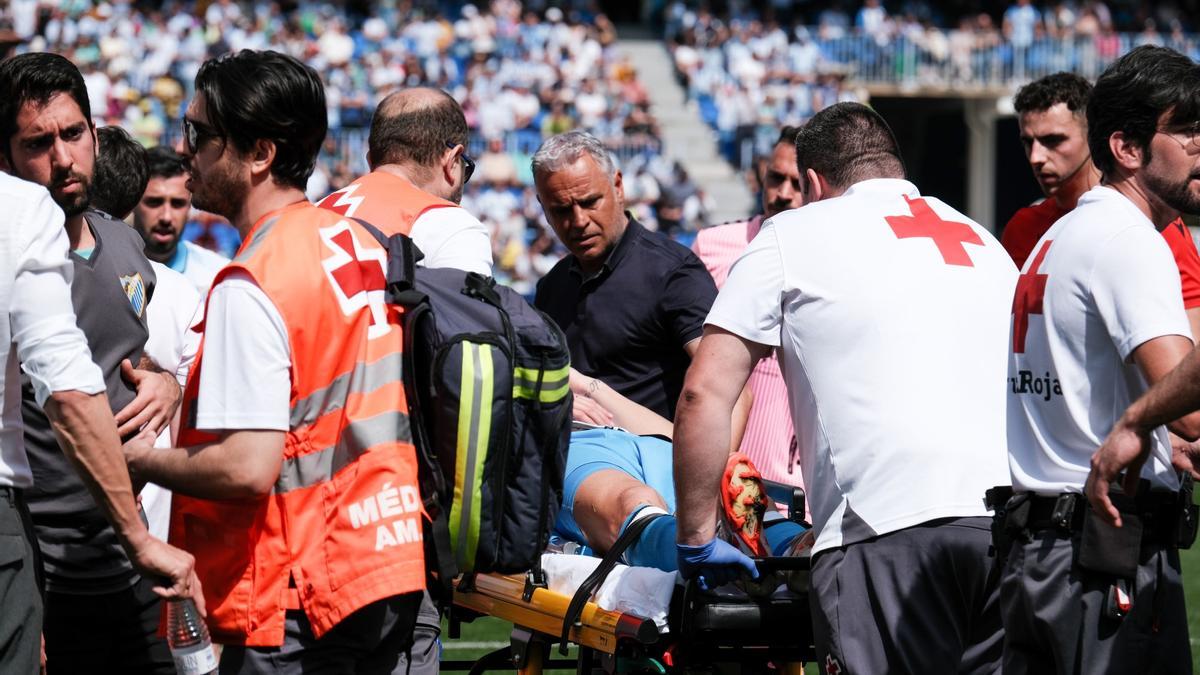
(643,591)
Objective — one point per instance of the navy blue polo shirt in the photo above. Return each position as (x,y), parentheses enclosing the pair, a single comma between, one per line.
(628,323)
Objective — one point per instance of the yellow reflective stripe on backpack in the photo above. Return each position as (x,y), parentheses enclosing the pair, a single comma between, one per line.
(555,383)
(474,430)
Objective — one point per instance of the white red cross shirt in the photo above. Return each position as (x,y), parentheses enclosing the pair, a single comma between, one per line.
(891,312)
(1099,283)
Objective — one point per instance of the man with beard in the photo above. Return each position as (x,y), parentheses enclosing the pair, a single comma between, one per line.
(1098,315)
(417,148)
(100,614)
(161,214)
(1052,119)
(296,482)
(768,440)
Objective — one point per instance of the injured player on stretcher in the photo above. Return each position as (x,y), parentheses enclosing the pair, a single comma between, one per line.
(622,472)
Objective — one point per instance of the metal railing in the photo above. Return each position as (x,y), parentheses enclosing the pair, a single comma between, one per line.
(952,60)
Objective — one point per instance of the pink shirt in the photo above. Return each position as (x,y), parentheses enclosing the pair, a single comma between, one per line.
(769,439)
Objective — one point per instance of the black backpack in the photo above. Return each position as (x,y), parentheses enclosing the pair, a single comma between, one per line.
(486,377)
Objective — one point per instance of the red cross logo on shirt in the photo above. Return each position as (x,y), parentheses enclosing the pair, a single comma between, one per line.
(343,202)
(356,274)
(947,235)
(1031,289)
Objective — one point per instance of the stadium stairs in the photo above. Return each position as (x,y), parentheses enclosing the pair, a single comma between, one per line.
(686,138)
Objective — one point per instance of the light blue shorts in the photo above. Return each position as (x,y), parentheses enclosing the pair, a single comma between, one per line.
(646,458)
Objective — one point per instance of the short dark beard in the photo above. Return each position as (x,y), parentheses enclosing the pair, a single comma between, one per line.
(156,251)
(776,208)
(219,192)
(73,206)
(1175,195)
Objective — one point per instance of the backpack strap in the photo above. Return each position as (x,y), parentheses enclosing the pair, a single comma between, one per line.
(402,258)
(597,577)
(429,469)
(536,578)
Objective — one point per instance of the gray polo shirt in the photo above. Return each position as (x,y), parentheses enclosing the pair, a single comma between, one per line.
(110,292)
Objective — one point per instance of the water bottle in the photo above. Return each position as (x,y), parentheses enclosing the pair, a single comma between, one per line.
(187,636)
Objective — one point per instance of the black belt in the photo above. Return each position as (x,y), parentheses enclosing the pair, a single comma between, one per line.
(1064,511)
(1158,509)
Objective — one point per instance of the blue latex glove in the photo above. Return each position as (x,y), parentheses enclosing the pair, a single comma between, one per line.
(713,564)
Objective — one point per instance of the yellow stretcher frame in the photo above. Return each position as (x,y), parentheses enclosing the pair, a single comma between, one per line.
(603,636)
(537,617)
(599,629)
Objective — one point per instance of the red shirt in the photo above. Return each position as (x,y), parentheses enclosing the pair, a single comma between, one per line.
(1028,225)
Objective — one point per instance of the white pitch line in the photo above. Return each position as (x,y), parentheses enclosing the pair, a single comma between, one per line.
(458,645)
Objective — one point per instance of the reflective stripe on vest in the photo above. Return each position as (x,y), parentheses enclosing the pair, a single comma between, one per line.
(364,379)
(259,236)
(555,383)
(474,431)
(348,447)
(356,438)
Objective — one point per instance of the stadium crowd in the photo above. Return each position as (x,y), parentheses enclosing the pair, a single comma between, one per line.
(286,421)
(521,75)
(757,66)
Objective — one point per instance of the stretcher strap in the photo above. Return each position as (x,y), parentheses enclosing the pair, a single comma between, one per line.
(594,580)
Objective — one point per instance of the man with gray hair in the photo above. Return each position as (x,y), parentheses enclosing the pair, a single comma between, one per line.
(631,302)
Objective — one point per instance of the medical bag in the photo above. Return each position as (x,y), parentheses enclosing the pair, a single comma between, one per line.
(486,377)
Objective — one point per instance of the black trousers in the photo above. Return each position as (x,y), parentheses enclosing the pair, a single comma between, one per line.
(20,597)
(1054,616)
(924,599)
(109,633)
(372,641)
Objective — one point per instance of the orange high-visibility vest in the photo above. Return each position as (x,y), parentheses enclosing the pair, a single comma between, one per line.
(384,200)
(343,521)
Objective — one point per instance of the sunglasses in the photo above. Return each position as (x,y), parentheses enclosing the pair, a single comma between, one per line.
(468,163)
(195,133)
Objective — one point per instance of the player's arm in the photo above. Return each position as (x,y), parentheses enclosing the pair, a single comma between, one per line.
(622,412)
(242,464)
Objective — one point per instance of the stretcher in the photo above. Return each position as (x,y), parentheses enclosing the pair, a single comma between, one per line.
(722,631)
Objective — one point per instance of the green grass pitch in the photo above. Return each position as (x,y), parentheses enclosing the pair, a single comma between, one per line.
(485,635)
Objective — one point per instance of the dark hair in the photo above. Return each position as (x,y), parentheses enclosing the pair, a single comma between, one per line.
(1133,93)
(120,175)
(846,143)
(36,77)
(1044,93)
(788,135)
(253,95)
(415,131)
(165,162)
